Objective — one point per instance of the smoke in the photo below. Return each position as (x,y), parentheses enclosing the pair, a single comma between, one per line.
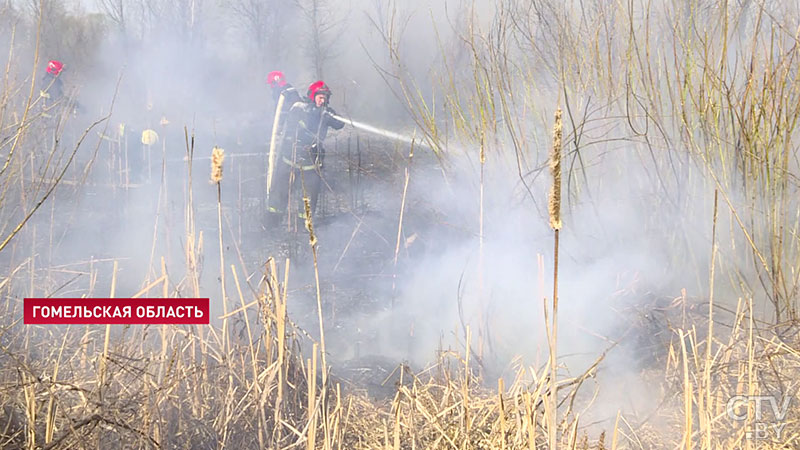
(627,237)
(618,261)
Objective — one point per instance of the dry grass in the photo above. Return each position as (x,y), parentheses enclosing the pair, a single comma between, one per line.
(270,386)
(265,394)
(262,393)
(187,387)
(703,114)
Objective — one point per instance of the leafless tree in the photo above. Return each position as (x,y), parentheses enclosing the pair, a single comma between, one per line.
(325,25)
(116,11)
(265,24)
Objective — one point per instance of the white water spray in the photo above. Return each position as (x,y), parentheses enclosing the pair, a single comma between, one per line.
(359,125)
(375,130)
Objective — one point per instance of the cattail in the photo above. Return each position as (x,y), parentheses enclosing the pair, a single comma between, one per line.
(217,156)
(309,226)
(554,206)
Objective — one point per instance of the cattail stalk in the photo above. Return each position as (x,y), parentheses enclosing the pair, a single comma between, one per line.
(554,209)
(312,240)
(107,338)
(400,220)
(483,334)
(217,157)
(194,250)
(710,337)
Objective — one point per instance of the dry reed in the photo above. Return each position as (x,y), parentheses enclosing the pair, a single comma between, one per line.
(554,209)
(196,391)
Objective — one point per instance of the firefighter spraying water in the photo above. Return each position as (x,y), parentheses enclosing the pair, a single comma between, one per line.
(298,168)
(297,152)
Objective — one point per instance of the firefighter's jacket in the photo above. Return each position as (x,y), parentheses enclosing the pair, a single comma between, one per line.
(51,88)
(306,129)
(290,96)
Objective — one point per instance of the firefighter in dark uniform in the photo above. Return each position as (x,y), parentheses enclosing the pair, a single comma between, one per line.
(277,82)
(302,150)
(277,197)
(50,87)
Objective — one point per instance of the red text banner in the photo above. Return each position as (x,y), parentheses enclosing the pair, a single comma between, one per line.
(129,311)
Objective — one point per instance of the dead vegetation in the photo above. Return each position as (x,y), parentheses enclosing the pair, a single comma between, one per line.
(179,387)
(257,380)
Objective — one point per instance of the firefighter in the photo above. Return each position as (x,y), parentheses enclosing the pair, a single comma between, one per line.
(302,151)
(285,95)
(51,88)
(277,82)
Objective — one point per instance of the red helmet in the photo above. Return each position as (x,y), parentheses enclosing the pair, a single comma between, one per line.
(55,67)
(318,87)
(276,78)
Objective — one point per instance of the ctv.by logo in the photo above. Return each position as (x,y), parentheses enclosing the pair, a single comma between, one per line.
(768,413)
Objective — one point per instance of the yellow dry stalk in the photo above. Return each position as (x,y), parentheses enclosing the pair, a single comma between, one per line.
(309,224)
(217,156)
(554,205)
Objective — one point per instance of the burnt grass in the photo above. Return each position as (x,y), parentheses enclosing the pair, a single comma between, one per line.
(107,213)
(372,335)
(96,217)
